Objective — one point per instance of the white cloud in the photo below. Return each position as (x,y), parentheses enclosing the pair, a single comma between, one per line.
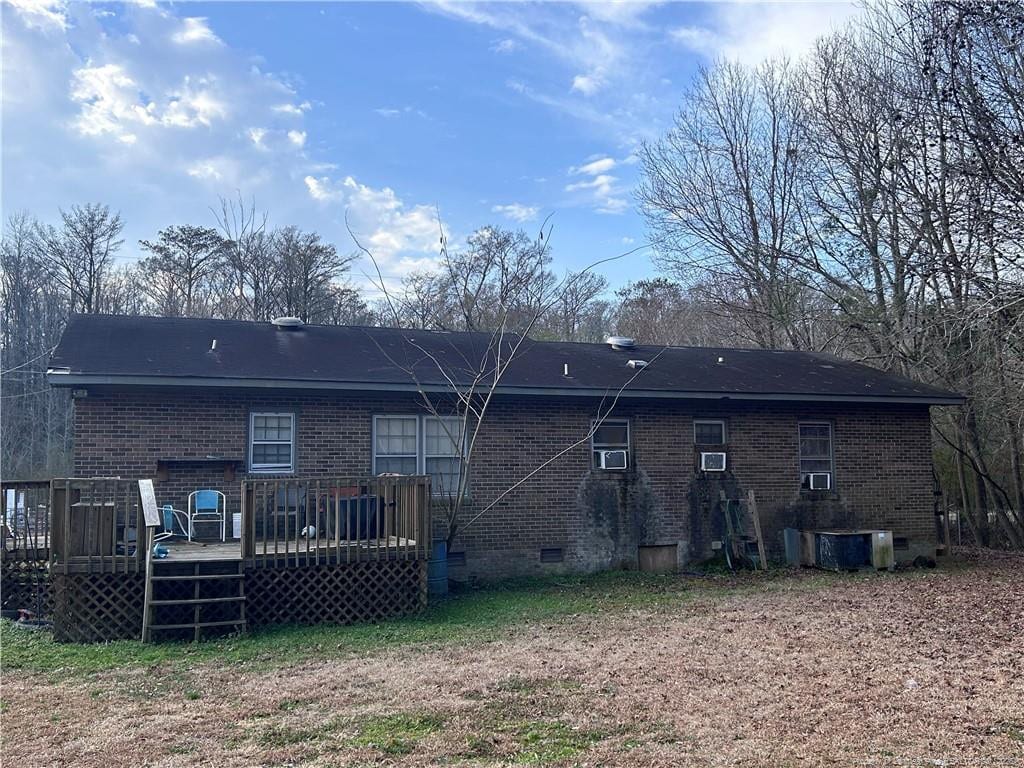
(396,111)
(601,184)
(588,85)
(256,136)
(42,14)
(296,110)
(751,32)
(517,211)
(194,29)
(623,13)
(297,138)
(112,102)
(505,46)
(599,189)
(593,60)
(209,170)
(594,167)
(401,236)
(321,189)
(194,104)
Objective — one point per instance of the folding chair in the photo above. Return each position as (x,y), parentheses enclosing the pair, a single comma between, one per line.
(170,516)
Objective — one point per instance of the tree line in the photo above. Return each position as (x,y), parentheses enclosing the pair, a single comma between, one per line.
(868,200)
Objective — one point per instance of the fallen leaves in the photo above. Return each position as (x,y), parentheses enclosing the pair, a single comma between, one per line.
(909,669)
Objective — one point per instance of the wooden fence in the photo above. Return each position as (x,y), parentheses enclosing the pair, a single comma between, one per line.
(315,521)
(97,526)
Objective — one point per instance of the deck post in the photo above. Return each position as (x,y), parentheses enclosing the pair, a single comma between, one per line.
(248,527)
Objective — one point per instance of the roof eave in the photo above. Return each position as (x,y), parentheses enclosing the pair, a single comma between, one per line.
(68,379)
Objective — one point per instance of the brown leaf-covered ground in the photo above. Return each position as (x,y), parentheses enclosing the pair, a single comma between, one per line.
(914,668)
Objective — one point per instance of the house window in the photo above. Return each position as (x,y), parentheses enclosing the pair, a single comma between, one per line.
(610,444)
(429,445)
(442,453)
(708,432)
(272,442)
(396,444)
(816,456)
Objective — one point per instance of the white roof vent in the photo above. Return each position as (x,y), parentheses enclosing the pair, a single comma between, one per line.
(637,363)
(287,323)
(620,342)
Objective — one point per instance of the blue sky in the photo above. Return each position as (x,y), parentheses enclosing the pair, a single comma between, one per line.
(388,113)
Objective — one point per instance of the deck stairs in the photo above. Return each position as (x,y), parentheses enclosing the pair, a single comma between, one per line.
(194,598)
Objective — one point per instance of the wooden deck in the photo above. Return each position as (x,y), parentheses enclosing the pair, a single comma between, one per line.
(312,550)
(197,552)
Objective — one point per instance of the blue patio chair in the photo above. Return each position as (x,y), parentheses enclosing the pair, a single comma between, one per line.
(169,516)
(207,506)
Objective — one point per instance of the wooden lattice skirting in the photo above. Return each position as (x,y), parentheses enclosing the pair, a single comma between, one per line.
(26,584)
(335,594)
(95,607)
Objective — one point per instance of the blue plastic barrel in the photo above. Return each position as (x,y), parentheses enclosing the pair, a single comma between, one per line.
(437,569)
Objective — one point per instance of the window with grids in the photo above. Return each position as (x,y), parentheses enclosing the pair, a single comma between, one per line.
(272,442)
(815,452)
(442,453)
(610,444)
(430,445)
(396,445)
(709,432)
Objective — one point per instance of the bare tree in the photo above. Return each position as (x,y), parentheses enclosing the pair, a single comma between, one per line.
(309,270)
(508,270)
(720,195)
(178,274)
(868,201)
(81,252)
(34,419)
(249,254)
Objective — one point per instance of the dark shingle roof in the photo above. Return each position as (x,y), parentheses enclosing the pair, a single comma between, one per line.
(175,351)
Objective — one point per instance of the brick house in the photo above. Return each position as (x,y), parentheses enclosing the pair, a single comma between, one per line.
(822,442)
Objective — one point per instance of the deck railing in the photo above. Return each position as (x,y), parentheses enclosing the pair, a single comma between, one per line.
(96,525)
(25,533)
(313,521)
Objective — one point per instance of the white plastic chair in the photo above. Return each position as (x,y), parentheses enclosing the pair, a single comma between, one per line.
(207,506)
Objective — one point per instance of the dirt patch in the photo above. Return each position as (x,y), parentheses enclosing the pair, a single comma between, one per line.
(903,669)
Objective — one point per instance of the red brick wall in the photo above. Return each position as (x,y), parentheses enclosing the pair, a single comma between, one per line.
(883,467)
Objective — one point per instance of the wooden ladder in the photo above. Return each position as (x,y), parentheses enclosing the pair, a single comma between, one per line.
(159,573)
(743,527)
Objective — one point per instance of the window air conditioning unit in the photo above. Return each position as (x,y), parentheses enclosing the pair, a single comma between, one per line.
(611,459)
(712,461)
(820,481)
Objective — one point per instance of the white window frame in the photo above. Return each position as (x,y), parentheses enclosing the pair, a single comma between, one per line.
(421,444)
(425,456)
(831,455)
(595,446)
(419,436)
(721,422)
(271,469)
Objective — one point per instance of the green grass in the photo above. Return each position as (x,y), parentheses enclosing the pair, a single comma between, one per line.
(284,735)
(548,741)
(475,614)
(396,734)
